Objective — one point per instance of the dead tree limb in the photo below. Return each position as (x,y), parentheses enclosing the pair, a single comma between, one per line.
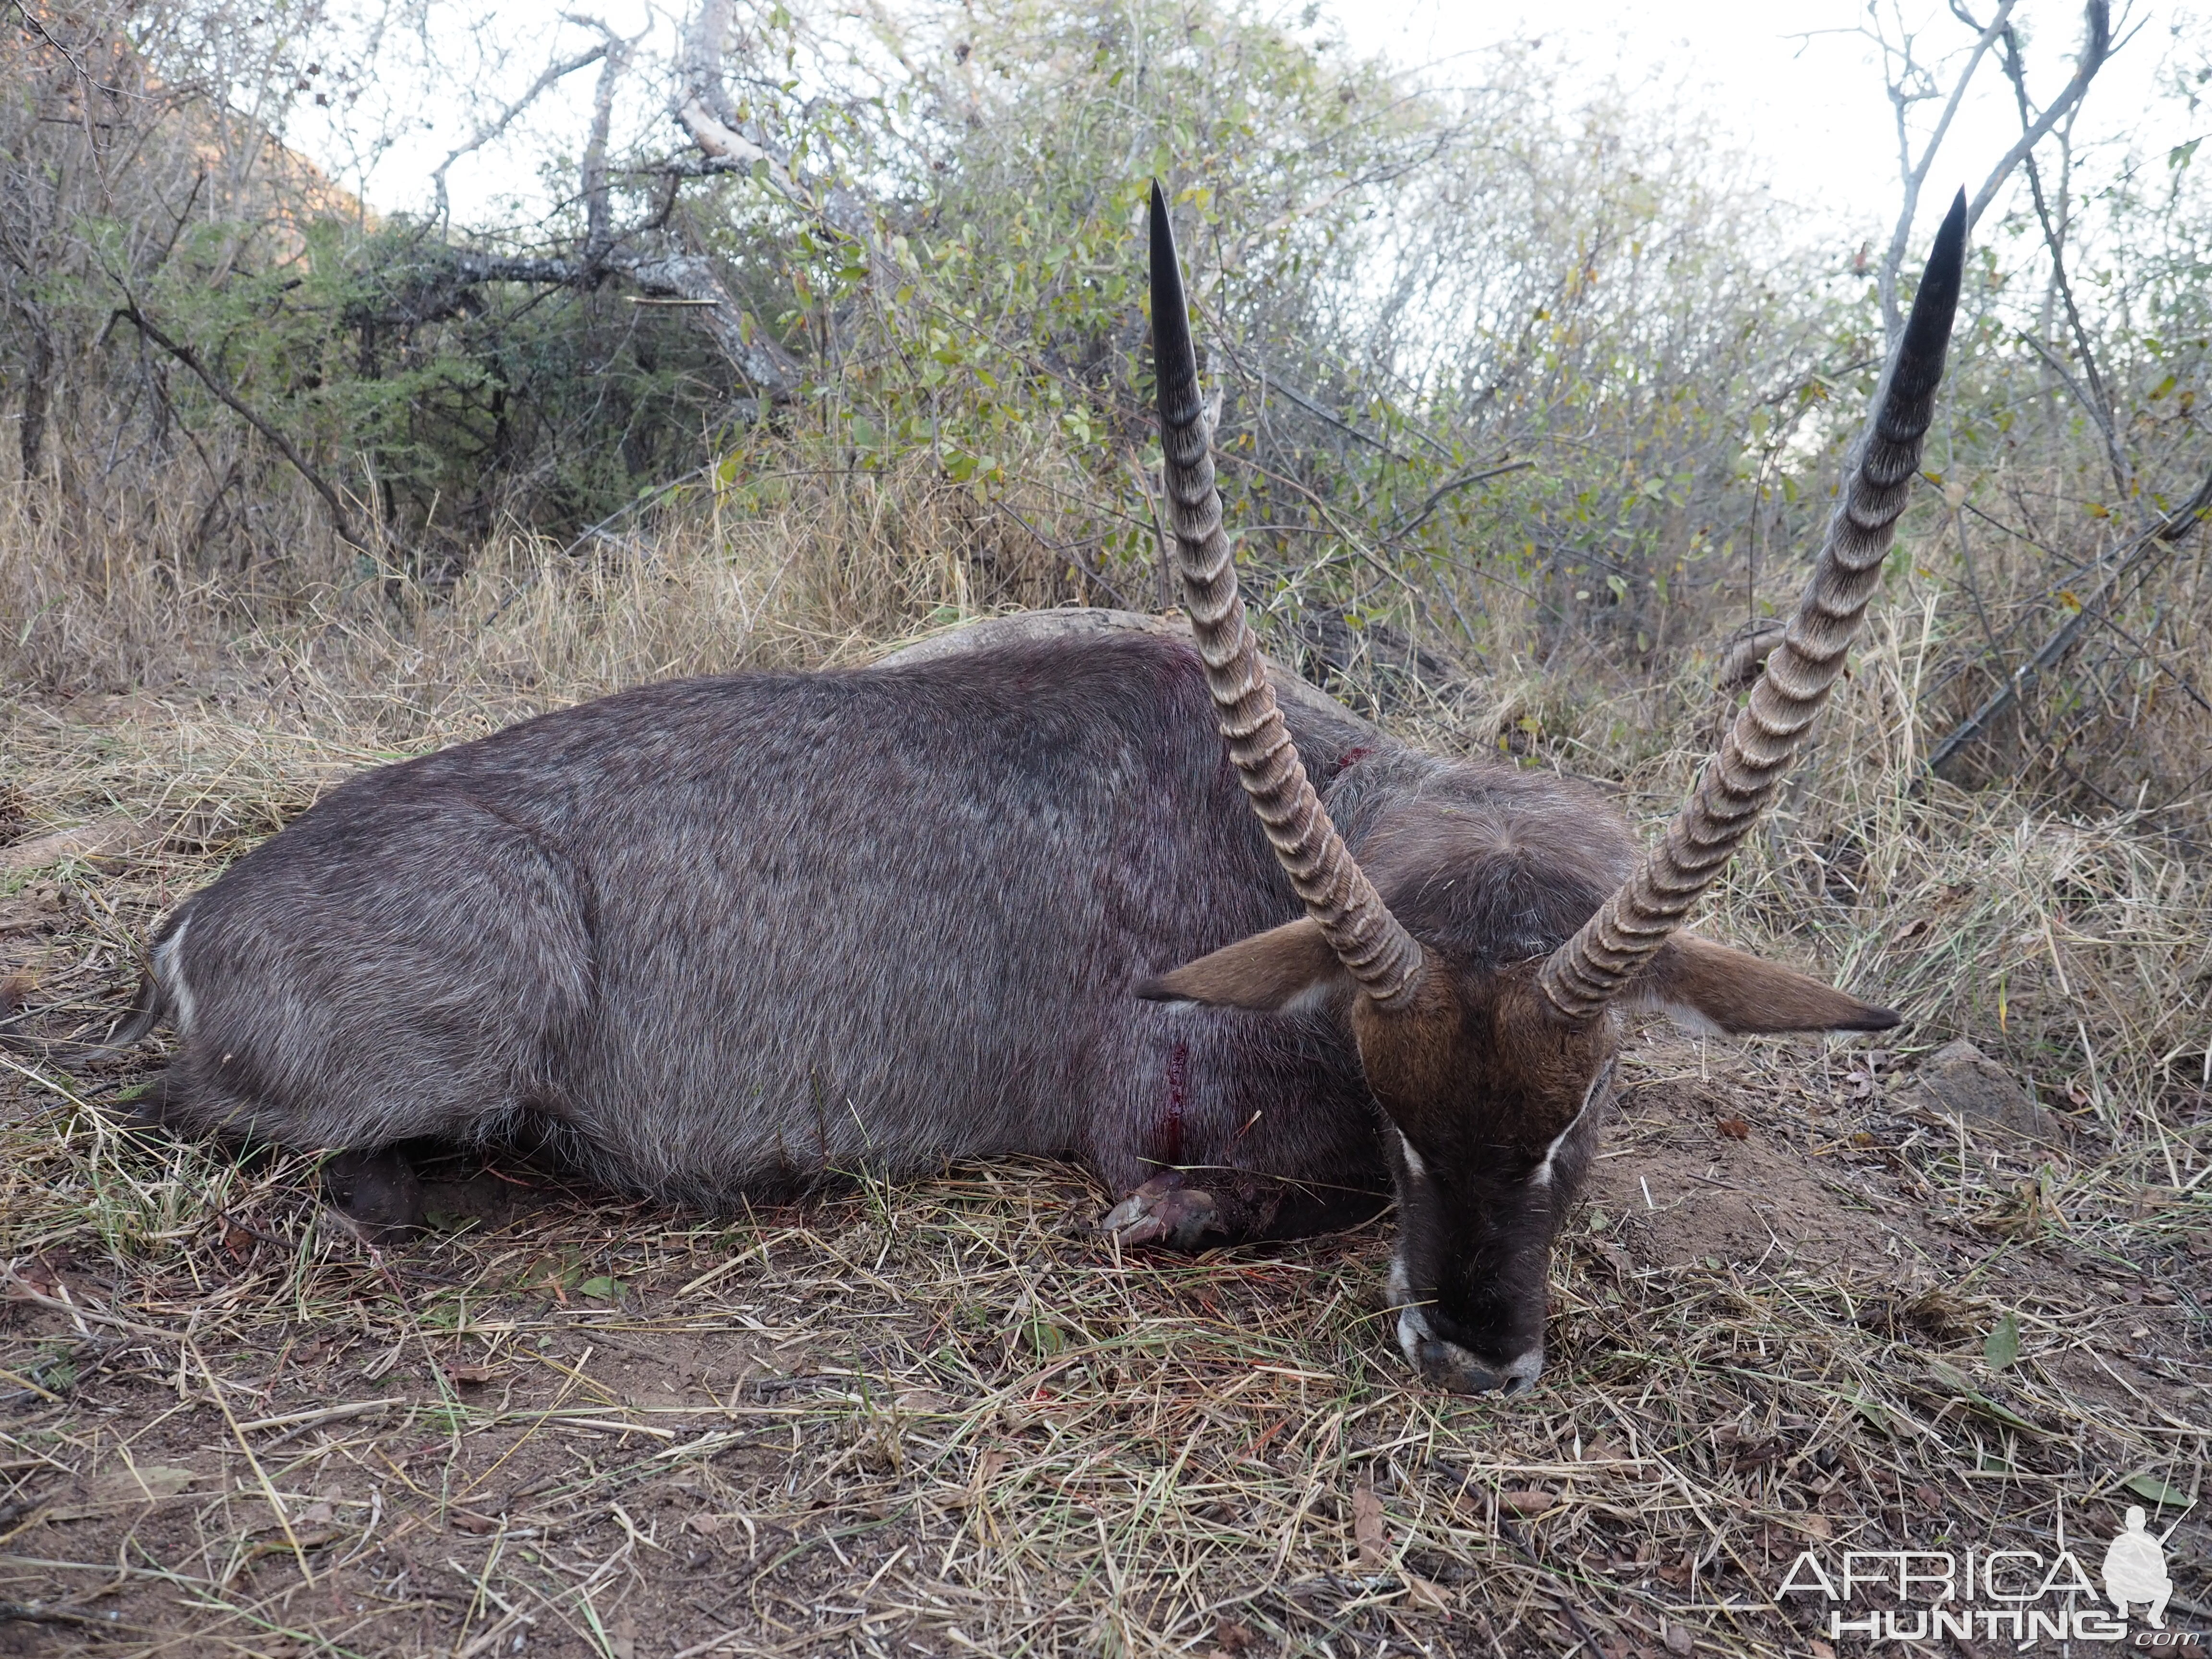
(1913,174)
(2176,525)
(2096,48)
(341,520)
(599,209)
(485,132)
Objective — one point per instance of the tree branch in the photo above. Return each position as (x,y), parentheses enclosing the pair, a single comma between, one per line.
(2095,399)
(750,348)
(341,520)
(2175,525)
(1915,176)
(2098,47)
(599,212)
(492,129)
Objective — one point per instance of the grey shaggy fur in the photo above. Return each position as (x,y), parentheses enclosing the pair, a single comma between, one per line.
(718,936)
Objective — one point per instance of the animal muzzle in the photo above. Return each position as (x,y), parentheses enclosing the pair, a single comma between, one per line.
(1453,1368)
(1445,1362)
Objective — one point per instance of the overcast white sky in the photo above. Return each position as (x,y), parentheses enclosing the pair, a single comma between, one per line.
(1792,81)
(1796,80)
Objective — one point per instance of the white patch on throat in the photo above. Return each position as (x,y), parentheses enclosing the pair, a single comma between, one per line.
(1414,1167)
(169,975)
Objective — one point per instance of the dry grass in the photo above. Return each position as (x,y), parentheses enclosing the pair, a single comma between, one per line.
(942,1417)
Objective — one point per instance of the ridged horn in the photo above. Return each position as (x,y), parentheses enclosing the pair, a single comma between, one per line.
(1591,968)
(1378,953)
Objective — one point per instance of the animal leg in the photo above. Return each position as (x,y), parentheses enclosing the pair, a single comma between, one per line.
(377,1195)
(1166,1210)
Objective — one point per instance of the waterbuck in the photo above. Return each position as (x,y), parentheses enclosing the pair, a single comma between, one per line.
(718,936)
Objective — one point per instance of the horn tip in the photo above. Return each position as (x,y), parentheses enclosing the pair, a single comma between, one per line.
(1176,361)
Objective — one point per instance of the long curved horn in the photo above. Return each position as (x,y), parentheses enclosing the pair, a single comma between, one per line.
(1590,969)
(1375,949)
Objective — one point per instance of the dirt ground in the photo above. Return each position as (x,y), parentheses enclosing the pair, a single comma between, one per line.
(1799,1310)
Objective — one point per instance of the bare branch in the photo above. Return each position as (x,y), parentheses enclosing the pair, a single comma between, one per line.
(1914,176)
(2096,49)
(2167,533)
(491,129)
(341,520)
(598,213)
(702,107)
(2094,397)
(731,151)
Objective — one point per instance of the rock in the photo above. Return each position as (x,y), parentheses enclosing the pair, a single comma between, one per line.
(1958,1081)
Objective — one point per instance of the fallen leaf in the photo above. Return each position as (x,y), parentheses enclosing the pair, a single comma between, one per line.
(1233,1638)
(706,1526)
(1525,1501)
(43,1277)
(1749,1452)
(1734,1127)
(1981,1402)
(2003,1345)
(2150,1487)
(462,1521)
(1678,1638)
(1428,1597)
(468,1374)
(602,1288)
(1812,1526)
(107,837)
(1367,1527)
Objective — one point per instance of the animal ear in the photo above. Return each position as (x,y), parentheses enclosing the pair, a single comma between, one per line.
(1709,988)
(1265,972)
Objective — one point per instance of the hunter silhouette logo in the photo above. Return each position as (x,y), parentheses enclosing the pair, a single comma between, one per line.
(2135,1570)
(2001,1594)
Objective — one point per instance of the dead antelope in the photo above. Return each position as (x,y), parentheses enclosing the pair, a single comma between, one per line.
(721,936)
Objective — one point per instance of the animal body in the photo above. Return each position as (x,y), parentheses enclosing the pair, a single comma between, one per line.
(719,936)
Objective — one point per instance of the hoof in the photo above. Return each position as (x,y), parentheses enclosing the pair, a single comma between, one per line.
(1165,1211)
(376,1195)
